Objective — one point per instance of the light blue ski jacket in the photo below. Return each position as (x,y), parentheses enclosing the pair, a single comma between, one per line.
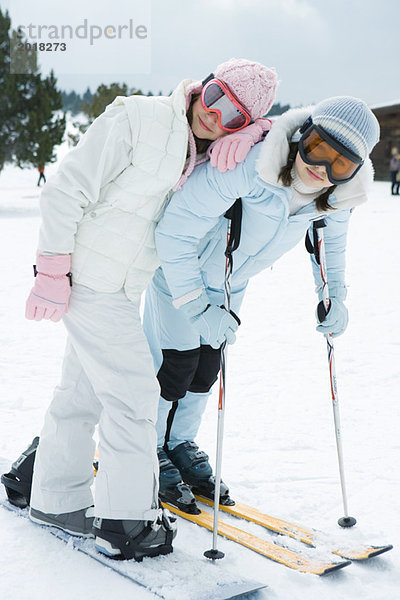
(191,235)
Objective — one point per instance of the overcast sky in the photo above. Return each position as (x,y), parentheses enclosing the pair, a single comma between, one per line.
(320,48)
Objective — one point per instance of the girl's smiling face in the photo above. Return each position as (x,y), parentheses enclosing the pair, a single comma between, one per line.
(313,176)
(204,123)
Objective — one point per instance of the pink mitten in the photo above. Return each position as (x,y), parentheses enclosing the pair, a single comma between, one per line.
(227,151)
(50,294)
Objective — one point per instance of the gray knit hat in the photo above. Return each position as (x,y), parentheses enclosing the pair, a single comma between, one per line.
(350,122)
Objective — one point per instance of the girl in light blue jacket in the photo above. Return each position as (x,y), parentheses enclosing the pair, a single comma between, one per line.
(314,162)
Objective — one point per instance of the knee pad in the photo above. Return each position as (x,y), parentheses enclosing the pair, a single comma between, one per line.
(207,370)
(176,372)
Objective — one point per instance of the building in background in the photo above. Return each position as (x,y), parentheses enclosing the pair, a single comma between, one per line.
(388,116)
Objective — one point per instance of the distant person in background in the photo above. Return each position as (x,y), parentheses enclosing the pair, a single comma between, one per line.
(395,172)
(41,175)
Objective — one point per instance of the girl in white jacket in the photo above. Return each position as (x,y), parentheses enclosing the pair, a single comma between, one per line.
(96,255)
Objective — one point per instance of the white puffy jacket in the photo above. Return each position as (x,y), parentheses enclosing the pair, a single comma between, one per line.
(109,192)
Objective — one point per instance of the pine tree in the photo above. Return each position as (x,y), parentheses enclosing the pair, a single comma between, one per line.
(17,72)
(87,97)
(30,123)
(23,59)
(278,109)
(44,126)
(8,94)
(71,102)
(103,96)
(95,104)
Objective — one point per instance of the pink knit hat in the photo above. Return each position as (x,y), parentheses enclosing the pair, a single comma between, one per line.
(253,84)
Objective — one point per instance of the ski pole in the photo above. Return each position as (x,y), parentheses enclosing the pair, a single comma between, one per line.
(214,553)
(323,309)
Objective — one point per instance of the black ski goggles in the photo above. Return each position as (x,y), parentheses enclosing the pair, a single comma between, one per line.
(317,147)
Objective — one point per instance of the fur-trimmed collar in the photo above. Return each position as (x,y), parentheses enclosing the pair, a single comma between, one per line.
(275,150)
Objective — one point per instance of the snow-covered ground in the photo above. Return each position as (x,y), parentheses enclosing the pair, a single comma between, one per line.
(279,447)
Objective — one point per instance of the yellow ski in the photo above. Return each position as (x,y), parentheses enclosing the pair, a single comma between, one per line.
(308,536)
(311,537)
(284,556)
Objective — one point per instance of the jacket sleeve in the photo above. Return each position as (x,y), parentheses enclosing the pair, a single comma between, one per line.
(190,215)
(103,152)
(335,237)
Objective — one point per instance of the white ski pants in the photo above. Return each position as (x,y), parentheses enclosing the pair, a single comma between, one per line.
(108,379)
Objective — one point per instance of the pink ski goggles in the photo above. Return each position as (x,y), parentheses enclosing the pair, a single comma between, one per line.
(217,97)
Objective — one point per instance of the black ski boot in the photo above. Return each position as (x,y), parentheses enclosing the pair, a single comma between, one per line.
(18,482)
(77,522)
(196,471)
(172,489)
(123,540)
